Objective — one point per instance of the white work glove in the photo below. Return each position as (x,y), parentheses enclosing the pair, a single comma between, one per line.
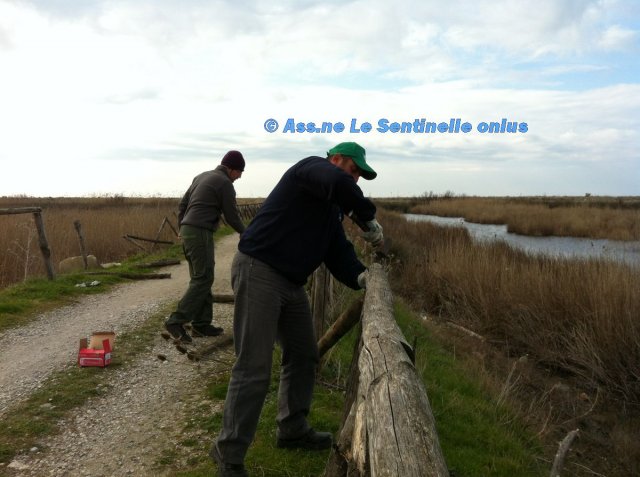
(374,235)
(362,280)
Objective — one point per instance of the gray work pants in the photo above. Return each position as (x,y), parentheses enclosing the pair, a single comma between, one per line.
(196,305)
(268,308)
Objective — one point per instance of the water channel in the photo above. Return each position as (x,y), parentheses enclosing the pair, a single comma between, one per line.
(561,247)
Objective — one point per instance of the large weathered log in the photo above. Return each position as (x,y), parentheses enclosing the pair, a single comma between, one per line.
(393,412)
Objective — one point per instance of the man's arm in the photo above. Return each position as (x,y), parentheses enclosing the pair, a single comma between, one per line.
(342,261)
(230,208)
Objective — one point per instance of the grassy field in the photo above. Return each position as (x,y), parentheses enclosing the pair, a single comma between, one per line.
(616,218)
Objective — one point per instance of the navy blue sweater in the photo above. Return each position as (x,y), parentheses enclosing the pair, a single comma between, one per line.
(299,226)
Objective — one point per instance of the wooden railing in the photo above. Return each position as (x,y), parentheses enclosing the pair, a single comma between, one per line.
(388,427)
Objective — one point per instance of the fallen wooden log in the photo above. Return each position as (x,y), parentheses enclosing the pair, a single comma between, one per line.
(465,330)
(135,237)
(341,326)
(130,240)
(202,353)
(223,298)
(133,276)
(160,263)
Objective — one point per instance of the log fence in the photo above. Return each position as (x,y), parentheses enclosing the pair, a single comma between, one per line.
(388,427)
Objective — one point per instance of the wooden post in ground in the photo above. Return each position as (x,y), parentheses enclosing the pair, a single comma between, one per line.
(83,252)
(44,244)
(320,299)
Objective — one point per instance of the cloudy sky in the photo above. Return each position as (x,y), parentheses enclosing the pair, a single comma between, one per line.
(137,97)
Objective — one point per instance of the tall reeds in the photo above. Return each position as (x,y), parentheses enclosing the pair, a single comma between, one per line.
(580,316)
(104,223)
(618,220)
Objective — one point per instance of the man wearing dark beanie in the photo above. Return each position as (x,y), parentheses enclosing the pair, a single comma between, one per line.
(210,196)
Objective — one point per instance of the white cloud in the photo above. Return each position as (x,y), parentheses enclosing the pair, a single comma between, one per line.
(616,37)
(172,85)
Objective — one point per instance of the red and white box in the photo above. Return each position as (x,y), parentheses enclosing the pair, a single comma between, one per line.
(97,350)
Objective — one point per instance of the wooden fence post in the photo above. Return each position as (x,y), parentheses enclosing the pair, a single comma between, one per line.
(320,299)
(44,244)
(83,251)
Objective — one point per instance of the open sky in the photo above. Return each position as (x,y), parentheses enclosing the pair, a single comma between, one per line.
(137,97)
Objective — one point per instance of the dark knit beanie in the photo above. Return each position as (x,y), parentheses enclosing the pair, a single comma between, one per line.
(233,160)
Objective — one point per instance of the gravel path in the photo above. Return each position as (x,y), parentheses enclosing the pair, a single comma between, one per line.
(142,411)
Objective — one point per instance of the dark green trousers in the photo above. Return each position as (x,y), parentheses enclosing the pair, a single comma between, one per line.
(196,305)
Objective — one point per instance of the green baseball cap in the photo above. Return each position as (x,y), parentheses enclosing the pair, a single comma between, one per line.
(356,152)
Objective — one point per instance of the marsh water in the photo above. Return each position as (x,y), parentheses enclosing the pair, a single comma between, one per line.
(561,247)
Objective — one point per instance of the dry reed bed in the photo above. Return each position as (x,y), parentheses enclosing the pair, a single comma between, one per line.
(581,316)
(104,222)
(585,218)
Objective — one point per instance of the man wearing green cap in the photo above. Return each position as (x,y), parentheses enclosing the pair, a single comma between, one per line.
(298,227)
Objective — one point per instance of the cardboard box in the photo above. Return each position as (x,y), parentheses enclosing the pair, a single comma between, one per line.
(97,351)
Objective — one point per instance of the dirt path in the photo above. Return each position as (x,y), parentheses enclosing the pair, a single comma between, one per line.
(142,411)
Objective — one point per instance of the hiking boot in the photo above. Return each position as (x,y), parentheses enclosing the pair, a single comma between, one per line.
(310,440)
(206,330)
(226,469)
(177,332)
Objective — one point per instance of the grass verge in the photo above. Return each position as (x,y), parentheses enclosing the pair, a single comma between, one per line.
(478,436)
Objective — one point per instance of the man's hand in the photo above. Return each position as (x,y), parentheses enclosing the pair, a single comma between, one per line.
(374,234)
